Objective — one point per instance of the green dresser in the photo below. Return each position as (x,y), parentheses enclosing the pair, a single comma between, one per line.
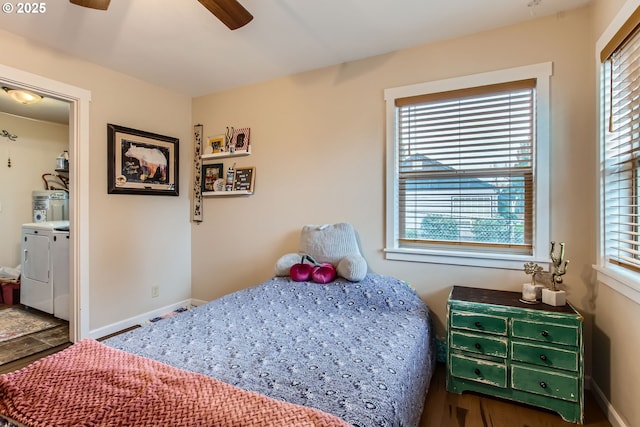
(502,347)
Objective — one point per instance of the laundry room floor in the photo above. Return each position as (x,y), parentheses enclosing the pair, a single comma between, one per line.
(21,351)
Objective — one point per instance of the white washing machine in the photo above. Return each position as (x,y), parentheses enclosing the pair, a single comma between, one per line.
(45,267)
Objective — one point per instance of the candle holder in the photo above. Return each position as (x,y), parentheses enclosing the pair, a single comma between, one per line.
(531,292)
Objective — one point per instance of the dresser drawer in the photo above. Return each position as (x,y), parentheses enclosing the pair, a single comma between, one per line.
(479,322)
(552,357)
(545,382)
(546,332)
(482,344)
(479,370)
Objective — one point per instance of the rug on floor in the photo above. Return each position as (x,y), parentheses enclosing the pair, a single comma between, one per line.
(171,314)
(16,323)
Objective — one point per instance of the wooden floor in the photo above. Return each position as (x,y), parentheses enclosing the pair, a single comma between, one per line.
(443,409)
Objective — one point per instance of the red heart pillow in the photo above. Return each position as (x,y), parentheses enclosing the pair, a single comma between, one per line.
(301,272)
(324,273)
(319,273)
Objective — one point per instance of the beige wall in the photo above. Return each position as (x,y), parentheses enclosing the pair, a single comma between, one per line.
(319,148)
(616,340)
(603,13)
(32,154)
(135,241)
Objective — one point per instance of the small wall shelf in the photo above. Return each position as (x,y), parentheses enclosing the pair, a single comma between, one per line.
(227,193)
(224,155)
(243,177)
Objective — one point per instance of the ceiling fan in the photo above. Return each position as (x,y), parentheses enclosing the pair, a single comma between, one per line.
(230,12)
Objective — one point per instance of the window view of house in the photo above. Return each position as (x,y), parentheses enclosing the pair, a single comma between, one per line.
(466,166)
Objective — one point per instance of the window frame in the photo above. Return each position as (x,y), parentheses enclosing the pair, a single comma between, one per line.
(453,255)
(620,279)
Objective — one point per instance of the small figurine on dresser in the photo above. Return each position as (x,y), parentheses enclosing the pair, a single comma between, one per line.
(555,296)
(533,293)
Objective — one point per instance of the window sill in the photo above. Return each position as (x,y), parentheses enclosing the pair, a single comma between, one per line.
(622,281)
(470,259)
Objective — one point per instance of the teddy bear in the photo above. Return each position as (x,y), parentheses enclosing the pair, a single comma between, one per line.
(336,244)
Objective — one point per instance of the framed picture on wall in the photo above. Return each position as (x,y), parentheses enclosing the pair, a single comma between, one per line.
(244,179)
(215,144)
(210,174)
(140,162)
(240,141)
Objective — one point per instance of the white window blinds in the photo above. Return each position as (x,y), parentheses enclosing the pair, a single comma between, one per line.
(621,154)
(466,166)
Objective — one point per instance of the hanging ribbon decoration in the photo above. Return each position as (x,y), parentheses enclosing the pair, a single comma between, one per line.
(8,135)
(11,137)
(197,173)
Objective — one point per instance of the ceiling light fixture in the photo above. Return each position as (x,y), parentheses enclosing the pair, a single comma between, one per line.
(23,96)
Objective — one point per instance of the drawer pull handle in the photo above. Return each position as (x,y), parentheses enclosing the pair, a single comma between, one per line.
(543,357)
(477,371)
(478,346)
(544,333)
(478,325)
(543,384)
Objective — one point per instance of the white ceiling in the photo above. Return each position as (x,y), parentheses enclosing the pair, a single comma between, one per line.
(180,45)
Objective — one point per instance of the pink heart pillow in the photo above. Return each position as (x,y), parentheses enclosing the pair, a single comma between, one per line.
(324,273)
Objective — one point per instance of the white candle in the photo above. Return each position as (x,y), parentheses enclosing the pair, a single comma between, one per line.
(528,292)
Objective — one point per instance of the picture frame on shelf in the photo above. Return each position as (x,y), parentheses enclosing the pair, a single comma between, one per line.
(240,141)
(140,162)
(244,179)
(216,144)
(210,174)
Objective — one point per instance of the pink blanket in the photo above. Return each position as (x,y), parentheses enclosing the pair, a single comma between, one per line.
(90,384)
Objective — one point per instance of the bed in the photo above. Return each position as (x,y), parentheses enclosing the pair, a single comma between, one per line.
(360,352)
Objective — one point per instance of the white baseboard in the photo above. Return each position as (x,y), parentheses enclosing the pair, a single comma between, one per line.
(612,415)
(140,319)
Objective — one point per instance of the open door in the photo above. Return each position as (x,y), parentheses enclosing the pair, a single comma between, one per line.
(78,100)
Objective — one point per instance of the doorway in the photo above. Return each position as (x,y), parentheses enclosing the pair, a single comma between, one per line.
(78,100)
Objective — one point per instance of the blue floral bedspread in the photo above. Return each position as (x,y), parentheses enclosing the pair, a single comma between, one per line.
(361,351)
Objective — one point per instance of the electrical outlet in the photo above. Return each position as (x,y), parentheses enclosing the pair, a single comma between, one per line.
(155,291)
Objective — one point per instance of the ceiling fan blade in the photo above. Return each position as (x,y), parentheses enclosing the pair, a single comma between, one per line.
(93,4)
(230,12)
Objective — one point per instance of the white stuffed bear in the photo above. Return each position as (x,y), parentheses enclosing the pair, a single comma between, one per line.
(333,243)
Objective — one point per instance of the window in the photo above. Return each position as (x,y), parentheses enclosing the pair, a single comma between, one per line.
(621,157)
(619,263)
(467,175)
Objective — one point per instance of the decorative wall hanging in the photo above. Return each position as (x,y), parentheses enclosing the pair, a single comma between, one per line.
(197,173)
(6,134)
(141,162)
(11,137)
